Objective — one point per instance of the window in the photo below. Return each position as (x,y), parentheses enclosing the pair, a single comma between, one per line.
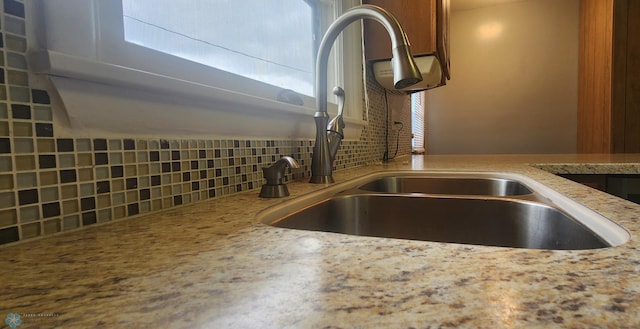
(277,45)
(117,51)
(418,122)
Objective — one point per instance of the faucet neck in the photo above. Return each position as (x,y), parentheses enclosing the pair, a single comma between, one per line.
(398,41)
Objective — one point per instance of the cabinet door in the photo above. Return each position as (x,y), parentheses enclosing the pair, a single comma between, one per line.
(418,19)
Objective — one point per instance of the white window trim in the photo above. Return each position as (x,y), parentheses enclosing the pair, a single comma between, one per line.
(98,94)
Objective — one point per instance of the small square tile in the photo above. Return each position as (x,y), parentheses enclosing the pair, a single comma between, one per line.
(104,201)
(18,78)
(100,144)
(44,129)
(20,111)
(85,159)
(87,189)
(132,196)
(89,218)
(65,145)
(175,166)
(117,171)
(42,113)
(132,209)
(52,226)
(51,209)
(70,222)
(129,157)
(48,178)
(29,214)
(49,194)
(8,217)
(18,61)
(142,144)
(85,174)
(31,230)
(115,144)
(9,234)
(103,187)
(25,162)
(131,183)
(47,161)
(22,129)
(117,185)
(84,145)
(143,169)
(27,180)
(28,196)
(6,182)
(145,194)
(23,145)
(40,96)
(129,144)
(70,206)
(88,203)
(103,172)
(66,160)
(104,215)
(69,191)
(119,212)
(130,170)
(68,176)
(4,129)
(115,158)
(5,145)
(46,145)
(101,158)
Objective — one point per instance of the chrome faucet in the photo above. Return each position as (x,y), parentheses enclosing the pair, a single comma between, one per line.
(405,73)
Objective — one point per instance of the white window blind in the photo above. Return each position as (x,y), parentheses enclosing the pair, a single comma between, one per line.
(418,122)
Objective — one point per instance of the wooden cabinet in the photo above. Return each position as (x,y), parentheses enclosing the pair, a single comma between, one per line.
(609,77)
(426,23)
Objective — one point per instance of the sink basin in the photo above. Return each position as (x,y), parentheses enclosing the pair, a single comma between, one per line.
(447,185)
(493,222)
(491,209)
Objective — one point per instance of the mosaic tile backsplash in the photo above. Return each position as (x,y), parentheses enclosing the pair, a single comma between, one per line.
(51,184)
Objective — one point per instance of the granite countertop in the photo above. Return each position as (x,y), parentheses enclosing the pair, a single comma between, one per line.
(213,265)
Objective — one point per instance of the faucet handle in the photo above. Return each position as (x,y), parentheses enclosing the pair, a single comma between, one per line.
(339,92)
(336,125)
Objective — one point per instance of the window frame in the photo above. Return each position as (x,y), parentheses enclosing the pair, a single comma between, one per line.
(91,50)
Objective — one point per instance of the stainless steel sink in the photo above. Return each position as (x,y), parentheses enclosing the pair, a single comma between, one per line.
(494,222)
(492,209)
(447,185)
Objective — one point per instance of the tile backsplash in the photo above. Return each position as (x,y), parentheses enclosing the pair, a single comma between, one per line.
(51,183)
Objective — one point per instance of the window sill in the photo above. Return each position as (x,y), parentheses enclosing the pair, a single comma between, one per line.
(102,97)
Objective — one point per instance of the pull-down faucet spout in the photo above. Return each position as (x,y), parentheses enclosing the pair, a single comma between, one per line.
(405,73)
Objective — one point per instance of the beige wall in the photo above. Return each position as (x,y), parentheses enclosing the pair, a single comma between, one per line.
(514,81)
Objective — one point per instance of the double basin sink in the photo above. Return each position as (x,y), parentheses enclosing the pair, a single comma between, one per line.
(480,208)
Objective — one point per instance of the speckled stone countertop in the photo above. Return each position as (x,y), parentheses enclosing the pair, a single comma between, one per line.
(213,265)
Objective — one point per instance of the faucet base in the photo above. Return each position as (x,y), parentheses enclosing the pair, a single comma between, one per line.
(321,179)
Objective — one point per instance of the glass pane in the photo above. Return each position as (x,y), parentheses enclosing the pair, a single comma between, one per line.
(269,41)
